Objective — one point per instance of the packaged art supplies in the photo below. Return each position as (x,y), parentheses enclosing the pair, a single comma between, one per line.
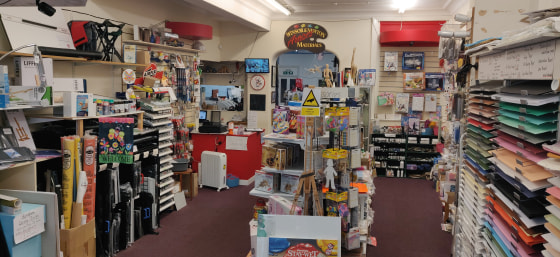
(79,104)
(280,122)
(414,81)
(385,99)
(266,182)
(116,140)
(300,127)
(289,184)
(292,119)
(89,166)
(401,103)
(68,157)
(366,77)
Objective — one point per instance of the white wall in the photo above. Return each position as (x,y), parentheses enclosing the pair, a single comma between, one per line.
(494,17)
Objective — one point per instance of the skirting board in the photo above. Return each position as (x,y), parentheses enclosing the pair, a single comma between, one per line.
(246,182)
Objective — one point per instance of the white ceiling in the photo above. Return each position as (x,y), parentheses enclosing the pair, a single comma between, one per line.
(257,13)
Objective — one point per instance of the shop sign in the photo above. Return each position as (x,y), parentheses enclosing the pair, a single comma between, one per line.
(303,36)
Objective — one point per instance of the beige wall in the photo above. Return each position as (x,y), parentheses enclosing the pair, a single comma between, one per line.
(106,80)
(494,17)
(239,43)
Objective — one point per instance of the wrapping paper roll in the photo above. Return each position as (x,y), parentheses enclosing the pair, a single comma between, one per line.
(89,163)
(10,201)
(68,153)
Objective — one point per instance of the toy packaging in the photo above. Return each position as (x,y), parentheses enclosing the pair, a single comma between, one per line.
(302,247)
(292,119)
(289,184)
(300,127)
(266,182)
(385,99)
(280,122)
(281,206)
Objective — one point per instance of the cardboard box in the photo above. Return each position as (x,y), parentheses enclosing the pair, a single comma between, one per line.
(129,53)
(266,182)
(26,72)
(62,85)
(78,104)
(79,242)
(289,184)
(31,95)
(281,206)
(143,57)
(23,230)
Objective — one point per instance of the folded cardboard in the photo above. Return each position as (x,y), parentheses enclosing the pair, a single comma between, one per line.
(78,104)
(23,230)
(31,95)
(26,73)
(79,241)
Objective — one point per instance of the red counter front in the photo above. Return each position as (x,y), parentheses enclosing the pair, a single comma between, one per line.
(241,163)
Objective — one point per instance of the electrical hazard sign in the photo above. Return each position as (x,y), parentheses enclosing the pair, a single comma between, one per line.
(312,97)
(311,102)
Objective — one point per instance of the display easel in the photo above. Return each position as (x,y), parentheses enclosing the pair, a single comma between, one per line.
(307,179)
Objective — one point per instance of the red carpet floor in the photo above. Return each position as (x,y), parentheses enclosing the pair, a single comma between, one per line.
(215,224)
(407,220)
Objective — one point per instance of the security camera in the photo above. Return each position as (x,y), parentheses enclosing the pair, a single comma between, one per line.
(411,43)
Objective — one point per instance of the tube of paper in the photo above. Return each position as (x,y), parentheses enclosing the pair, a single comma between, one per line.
(10,201)
(67,179)
(89,165)
(82,187)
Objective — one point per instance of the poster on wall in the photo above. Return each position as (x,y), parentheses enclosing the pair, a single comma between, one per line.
(366,77)
(414,81)
(304,36)
(413,61)
(391,62)
(434,81)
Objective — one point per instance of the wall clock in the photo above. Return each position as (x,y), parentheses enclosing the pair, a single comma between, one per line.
(257,82)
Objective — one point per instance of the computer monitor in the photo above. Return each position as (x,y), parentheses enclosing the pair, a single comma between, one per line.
(202,115)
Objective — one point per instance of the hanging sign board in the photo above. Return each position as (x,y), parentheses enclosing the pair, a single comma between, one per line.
(303,36)
(311,102)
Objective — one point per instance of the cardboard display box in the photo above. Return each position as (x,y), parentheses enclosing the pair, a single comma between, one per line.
(267,182)
(32,95)
(26,73)
(79,241)
(23,230)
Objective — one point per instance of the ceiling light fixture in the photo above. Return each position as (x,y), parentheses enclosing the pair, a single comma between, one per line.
(278,6)
(403,5)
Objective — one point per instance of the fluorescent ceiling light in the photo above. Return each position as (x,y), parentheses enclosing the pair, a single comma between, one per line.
(279,7)
(402,5)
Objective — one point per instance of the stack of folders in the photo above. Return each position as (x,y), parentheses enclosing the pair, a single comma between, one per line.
(481,111)
(519,212)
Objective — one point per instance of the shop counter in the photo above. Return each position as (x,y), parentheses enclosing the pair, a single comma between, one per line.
(243,152)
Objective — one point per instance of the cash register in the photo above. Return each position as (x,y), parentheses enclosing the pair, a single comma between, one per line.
(213,125)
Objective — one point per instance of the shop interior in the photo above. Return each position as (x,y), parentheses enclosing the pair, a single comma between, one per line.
(279,128)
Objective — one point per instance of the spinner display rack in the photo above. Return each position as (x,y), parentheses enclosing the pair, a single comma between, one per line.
(159,117)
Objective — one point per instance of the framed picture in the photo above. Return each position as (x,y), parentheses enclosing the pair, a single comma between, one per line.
(413,61)
(435,81)
(414,81)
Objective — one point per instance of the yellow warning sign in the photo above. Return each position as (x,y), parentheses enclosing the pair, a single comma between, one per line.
(310,100)
(310,111)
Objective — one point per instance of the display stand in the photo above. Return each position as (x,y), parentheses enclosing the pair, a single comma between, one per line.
(307,179)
